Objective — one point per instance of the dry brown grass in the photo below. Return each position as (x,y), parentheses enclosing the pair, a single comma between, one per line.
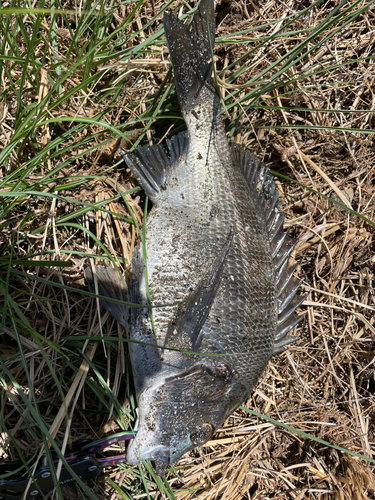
(324,384)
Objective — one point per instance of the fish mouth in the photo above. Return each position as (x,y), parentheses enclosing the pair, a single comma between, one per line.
(162,455)
(159,454)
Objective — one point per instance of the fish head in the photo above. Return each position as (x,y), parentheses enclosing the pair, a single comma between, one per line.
(183,411)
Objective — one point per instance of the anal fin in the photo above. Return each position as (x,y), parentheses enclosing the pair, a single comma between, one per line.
(151,165)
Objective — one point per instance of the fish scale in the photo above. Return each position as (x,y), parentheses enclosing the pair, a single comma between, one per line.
(221,287)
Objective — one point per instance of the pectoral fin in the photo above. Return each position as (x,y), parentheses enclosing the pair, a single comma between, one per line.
(192,314)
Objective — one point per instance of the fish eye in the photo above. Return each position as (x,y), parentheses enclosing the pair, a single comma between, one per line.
(202,435)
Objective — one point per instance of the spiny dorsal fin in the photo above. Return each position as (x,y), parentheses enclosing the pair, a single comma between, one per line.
(151,165)
(265,196)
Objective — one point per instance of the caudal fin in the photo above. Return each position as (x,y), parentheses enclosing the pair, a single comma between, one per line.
(190,52)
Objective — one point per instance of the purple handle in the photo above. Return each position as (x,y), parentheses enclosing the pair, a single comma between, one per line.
(101,444)
(109,461)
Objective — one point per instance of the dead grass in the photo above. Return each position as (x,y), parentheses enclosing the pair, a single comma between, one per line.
(324,384)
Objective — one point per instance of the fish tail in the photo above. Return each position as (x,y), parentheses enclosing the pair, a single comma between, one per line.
(190,52)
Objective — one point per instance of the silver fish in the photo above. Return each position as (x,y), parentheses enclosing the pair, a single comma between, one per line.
(218,274)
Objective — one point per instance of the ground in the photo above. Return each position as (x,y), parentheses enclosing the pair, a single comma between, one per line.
(81,80)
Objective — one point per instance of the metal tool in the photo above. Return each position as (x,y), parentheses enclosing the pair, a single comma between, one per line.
(81,459)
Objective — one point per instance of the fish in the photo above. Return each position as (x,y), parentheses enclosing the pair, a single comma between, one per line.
(213,280)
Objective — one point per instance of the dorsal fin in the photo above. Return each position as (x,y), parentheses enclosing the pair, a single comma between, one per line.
(265,196)
(150,165)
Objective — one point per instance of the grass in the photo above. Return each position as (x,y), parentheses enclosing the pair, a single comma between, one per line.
(79,80)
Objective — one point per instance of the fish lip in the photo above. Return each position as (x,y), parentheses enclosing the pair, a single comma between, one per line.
(161,450)
(159,454)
